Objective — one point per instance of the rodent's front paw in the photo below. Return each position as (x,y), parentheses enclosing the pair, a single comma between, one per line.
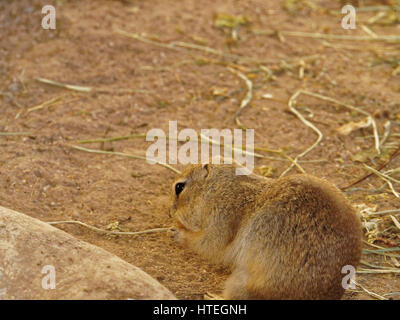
(176,234)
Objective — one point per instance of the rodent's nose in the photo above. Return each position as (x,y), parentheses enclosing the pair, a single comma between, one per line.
(172,232)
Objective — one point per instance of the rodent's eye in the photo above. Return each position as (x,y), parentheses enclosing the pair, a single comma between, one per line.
(179,188)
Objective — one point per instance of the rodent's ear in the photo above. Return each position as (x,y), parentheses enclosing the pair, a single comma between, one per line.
(206,170)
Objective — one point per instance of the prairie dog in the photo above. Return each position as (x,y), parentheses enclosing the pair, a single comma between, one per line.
(285,238)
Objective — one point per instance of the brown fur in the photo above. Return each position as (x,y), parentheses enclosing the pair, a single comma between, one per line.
(284,238)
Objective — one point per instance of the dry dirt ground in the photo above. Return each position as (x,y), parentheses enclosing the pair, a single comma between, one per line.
(138,86)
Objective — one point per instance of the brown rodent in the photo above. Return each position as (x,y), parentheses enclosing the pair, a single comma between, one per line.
(285,238)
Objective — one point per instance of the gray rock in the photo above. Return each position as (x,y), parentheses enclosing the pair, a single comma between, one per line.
(35,257)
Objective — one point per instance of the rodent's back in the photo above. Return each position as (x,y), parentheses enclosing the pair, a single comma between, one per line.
(295,244)
(286,238)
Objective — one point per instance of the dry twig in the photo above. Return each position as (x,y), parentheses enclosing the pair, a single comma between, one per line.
(119,233)
(246,99)
(130,155)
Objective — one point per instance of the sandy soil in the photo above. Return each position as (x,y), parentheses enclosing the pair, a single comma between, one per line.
(43,176)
